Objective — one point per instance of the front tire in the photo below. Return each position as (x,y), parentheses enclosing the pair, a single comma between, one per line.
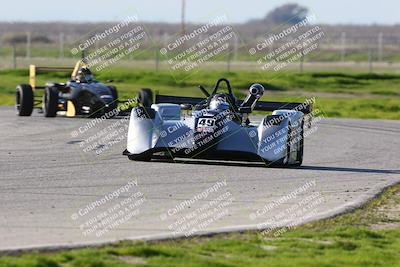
(114,92)
(97,109)
(145,97)
(24,100)
(286,159)
(50,102)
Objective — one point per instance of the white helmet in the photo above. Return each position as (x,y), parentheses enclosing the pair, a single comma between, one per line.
(219,102)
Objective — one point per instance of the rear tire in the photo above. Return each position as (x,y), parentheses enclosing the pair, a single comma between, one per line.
(145,97)
(24,100)
(300,151)
(141,157)
(50,101)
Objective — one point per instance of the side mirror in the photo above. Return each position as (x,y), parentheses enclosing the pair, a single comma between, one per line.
(110,81)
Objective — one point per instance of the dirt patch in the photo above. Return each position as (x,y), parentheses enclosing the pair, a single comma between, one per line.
(269,248)
(131,259)
(321,242)
(390,213)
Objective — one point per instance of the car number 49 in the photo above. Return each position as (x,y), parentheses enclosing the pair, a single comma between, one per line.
(205,122)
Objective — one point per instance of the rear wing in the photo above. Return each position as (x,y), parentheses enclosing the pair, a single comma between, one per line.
(34,70)
(177,99)
(305,107)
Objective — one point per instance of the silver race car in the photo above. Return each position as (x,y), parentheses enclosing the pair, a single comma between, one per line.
(217,128)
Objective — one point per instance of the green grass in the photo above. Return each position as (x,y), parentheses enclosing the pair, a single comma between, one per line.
(346,240)
(323,54)
(354,95)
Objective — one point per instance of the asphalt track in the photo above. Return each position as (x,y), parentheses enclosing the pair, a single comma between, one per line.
(48,177)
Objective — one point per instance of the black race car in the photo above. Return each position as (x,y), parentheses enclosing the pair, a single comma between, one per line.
(81,95)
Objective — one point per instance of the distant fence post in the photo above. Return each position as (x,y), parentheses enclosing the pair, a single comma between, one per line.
(157,57)
(302,62)
(228,60)
(370,67)
(301,59)
(61,39)
(14,57)
(380,46)
(342,46)
(28,45)
(235,47)
(271,47)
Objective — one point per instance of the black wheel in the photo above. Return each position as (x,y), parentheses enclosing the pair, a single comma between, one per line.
(114,92)
(283,162)
(141,157)
(97,109)
(50,101)
(24,100)
(145,97)
(300,151)
(286,159)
